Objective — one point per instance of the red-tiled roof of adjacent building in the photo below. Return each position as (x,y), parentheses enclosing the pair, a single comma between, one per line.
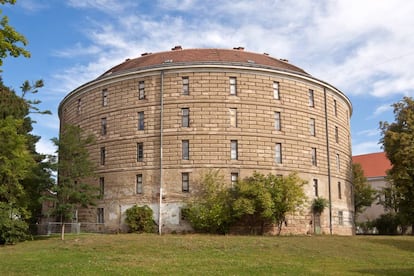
(178,55)
(373,164)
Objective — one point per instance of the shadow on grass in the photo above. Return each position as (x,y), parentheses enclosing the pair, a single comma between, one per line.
(403,244)
(397,271)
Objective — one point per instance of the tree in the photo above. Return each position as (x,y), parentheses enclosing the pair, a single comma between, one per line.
(398,143)
(262,199)
(364,194)
(210,210)
(139,219)
(74,168)
(10,39)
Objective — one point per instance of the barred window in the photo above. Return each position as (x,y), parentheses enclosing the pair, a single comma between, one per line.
(104,97)
(185,179)
(234,150)
(139,184)
(186,149)
(186,86)
(278,153)
(314,158)
(141,90)
(233,85)
(278,125)
(276,94)
(185,117)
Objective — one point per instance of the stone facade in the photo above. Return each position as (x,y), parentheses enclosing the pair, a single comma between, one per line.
(154,134)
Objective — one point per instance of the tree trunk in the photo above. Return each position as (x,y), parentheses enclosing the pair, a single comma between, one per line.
(62,235)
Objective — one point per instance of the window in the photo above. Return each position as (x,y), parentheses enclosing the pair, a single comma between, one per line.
(314,159)
(185,117)
(140,152)
(185,182)
(276,90)
(103,126)
(79,107)
(233,86)
(104,97)
(101,187)
(139,184)
(336,135)
(234,150)
(100,215)
(103,155)
(339,190)
(278,153)
(186,86)
(315,187)
(141,90)
(312,127)
(234,179)
(233,117)
(340,217)
(141,120)
(277,121)
(335,108)
(338,162)
(186,149)
(311,98)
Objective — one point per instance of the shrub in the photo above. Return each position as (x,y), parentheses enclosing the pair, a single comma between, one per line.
(139,219)
(387,224)
(319,204)
(12,228)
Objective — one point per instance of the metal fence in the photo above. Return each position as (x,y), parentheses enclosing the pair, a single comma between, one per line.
(50,228)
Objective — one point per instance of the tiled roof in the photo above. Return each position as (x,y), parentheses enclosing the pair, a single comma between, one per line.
(373,164)
(202,56)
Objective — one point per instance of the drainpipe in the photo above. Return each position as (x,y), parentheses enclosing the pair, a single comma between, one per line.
(329,161)
(161,151)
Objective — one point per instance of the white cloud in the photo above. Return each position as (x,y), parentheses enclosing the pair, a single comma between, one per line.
(365,147)
(45,147)
(369,132)
(32,6)
(385,108)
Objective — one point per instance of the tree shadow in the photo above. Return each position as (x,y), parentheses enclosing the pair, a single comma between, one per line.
(406,244)
(397,271)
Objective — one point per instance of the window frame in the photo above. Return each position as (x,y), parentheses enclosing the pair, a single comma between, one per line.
(101,187)
(186,86)
(233,117)
(340,217)
(314,157)
(185,182)
(141,120)
(103,126)
(276,91)
(100,215)
(103,156)
(234,150)
(311,98)
(140,152)
(278,121)
(278,153)
(141,90)
(339,190)
(336,134)
(234,178)
(185,149)
(233,86)
(335,108)
(104,97)
(185,117)
(315,187)
(312,126)
(139,183)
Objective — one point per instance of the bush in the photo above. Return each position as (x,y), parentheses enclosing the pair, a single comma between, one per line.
(319,204)
(12,229)
(387,224)
(139,219)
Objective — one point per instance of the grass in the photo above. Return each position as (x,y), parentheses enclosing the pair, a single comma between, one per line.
(132,254)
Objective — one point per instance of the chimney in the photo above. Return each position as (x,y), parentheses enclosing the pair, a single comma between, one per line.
(284,60)
(238,48)
(145,54)
(176,48)
(266,54)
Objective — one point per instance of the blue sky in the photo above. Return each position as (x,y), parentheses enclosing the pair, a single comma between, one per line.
(365,48)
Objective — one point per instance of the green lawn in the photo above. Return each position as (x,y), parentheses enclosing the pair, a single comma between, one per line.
(132,254)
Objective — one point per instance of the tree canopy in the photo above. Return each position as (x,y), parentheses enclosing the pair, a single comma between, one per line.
(364,194)
(398,143)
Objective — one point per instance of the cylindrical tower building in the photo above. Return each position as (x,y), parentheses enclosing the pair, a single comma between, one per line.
(163,119)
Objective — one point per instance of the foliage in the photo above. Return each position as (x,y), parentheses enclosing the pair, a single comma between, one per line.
(139,219)
(387,224)
(13,228)
(260,199)
(319,204)
(10,39)
(398,143)
(364,194)
(73,168)
(210,211)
